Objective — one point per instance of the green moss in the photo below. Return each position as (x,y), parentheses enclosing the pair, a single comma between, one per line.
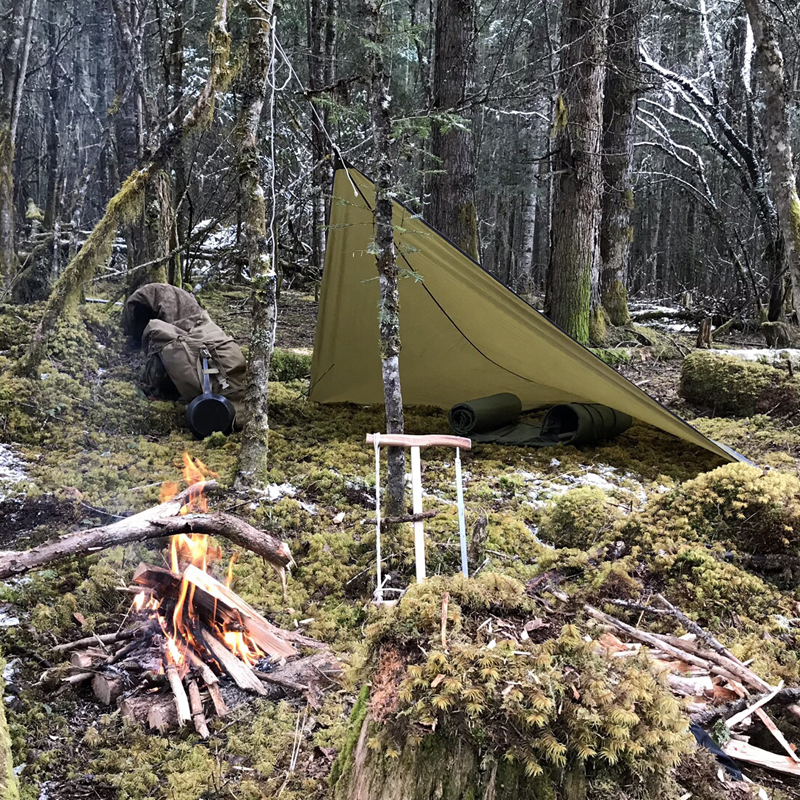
(734,387)
(579,518)
(344,760)
(541,707)
(737,505)
(289,366)
(613,355)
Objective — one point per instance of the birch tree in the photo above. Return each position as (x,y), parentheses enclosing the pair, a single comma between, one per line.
(385,256)
(259,256)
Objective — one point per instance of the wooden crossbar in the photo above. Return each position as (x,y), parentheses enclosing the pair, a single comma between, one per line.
(403,440)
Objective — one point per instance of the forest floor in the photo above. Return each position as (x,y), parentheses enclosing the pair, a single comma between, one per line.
(82,445)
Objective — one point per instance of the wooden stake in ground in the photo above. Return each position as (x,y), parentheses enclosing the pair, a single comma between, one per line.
(196,704)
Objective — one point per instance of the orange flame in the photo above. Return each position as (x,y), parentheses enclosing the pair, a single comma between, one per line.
(192,549)
(237,644)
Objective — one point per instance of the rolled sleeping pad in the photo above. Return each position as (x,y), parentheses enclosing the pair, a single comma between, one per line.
(583,423)
(485,414)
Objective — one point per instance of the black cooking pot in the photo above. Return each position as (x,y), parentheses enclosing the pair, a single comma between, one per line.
(208,412)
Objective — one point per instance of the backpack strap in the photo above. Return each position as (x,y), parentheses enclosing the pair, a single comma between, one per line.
(216,369)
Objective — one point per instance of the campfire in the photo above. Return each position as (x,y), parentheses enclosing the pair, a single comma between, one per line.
(193,646)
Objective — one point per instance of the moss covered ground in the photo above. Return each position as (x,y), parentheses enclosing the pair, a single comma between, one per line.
(94,446)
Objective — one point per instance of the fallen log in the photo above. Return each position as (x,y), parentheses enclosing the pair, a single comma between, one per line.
(711,714)
(743,751)
(154,523)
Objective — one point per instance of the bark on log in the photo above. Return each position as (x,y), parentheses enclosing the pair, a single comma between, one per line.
(151,524)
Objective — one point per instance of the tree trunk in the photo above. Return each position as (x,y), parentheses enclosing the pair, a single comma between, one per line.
(12,42)
(389,314)
(576,203)
(319,31)
(435,766)
(259,255)
(179,229)
(452,209)
(775,124)
(619,114)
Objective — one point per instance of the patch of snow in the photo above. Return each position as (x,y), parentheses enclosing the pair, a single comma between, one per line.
(8,619)
(10,670)
(12,470)
(763,355)
(541,488)
(277,491)
(638,309)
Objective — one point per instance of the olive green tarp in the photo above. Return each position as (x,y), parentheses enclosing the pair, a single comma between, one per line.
(463,333)
(495,420)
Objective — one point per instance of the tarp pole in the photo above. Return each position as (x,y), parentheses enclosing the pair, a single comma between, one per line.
(416,497)
(462,527)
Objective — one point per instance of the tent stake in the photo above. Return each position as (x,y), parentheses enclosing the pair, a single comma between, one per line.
(416,497)
(462,527)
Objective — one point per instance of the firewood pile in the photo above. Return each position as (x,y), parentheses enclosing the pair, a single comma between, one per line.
(178,663)
(718,686)
(192,647)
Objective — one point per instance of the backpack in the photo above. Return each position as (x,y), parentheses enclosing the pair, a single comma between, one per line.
(175,348)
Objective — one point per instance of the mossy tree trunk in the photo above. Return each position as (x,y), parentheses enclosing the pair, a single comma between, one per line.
(127,202)
(452,209)
(389,310)
(576,202)
(622,84)
(435,766)
(775,124)
(11,45)
(9,788)
(260,263)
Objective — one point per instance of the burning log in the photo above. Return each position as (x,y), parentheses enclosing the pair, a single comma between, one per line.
(106,638)
(215,602)
(242,675)
(154,523)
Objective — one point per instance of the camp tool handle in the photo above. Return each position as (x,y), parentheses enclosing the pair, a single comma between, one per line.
(403,440)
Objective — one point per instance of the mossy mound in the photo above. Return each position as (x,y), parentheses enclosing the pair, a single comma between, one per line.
(554,714)
(578,518)
(732,387)
(737,505)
